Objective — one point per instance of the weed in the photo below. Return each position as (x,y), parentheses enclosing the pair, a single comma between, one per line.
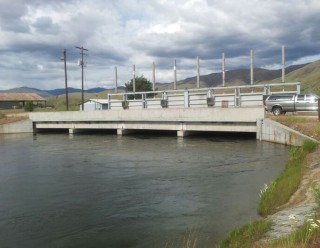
(295,119)
(279,191)
(247,235)
(309,146)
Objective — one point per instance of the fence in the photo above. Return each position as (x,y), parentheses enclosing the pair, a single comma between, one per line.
(233,96)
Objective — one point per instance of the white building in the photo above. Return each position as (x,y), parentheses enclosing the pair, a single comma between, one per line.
(95,104)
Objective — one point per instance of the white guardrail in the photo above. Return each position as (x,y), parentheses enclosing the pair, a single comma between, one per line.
(232,96)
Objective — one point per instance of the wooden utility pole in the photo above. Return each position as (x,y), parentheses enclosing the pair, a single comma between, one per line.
(65,77)
(82,64)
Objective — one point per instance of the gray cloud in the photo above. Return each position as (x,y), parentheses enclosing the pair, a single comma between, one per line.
(123,33)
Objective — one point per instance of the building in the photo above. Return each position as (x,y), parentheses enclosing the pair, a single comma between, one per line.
(18,100)
(95,104)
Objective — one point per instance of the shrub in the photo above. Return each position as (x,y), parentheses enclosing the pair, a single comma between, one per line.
(28,107)
(309,146)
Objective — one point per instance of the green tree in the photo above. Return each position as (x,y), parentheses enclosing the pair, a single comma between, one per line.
(28,107)
(142,84)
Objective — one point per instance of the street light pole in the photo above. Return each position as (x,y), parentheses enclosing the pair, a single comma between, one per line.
(82,92)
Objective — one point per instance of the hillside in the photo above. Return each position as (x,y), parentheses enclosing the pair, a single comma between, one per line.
(309,76)
(239,77)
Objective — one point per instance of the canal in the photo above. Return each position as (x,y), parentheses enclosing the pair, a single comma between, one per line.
(102,190)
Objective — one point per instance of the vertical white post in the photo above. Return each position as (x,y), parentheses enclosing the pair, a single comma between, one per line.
(198,73)
(283,64)
(154,76)
(223,70)
(251,66)
(186,98)
(175,74)
(116,79)
(134,78)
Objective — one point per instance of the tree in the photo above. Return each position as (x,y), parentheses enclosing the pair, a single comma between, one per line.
(28,107)
(142,84)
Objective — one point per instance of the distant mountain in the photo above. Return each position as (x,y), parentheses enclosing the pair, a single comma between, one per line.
(240,76)
(55,92)
(28,90)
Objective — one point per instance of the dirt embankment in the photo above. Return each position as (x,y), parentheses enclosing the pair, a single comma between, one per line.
(9,116)
(11,119)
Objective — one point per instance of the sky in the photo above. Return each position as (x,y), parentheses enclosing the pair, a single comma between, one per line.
(34,34)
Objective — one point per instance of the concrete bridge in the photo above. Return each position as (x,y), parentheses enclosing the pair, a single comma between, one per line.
(228,109)
(182,120)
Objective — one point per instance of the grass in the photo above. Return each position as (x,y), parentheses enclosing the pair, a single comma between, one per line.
(317,129)
(272,197)
(308,235)
(246,235)
(2,115)
(280,190)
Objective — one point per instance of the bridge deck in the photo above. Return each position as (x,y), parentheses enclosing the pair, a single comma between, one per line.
(182,120)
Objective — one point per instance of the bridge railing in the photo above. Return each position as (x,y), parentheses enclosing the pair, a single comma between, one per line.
(232,96)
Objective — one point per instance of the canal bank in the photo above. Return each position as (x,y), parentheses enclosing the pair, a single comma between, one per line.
(293,222)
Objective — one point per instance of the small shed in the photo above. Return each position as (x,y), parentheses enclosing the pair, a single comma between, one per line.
(18,100)
(95,104)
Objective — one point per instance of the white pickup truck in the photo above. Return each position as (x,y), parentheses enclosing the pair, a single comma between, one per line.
(282,103)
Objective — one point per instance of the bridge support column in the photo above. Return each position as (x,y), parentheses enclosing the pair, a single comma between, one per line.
(73,131)
(181,133)
(121,131)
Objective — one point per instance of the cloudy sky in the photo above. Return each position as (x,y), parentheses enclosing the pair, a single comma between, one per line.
(34,34)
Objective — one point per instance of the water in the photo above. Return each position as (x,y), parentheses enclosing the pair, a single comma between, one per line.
(132,191)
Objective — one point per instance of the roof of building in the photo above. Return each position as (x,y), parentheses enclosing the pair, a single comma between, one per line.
(102,101)
(20,97)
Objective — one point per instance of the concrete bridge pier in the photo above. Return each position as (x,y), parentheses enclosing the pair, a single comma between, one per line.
(182,133)
(121,131)
(73,131)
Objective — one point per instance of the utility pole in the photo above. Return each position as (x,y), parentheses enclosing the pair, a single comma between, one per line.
(82,92)
(65,76)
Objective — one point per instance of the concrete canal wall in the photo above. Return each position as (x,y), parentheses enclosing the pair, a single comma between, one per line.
(272,131)
(24,126)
